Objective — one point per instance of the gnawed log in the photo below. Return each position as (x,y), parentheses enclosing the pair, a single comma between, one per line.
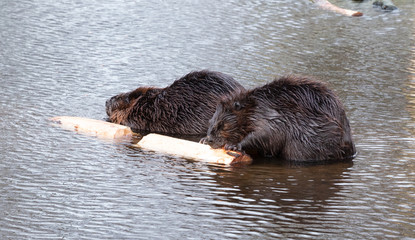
(192,150)
(154,142)
(98,128)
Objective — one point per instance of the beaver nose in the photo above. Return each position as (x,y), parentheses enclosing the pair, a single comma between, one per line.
(110,101)
(108,105)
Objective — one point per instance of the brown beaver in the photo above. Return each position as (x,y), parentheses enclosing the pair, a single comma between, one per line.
(292,118)
(183,108)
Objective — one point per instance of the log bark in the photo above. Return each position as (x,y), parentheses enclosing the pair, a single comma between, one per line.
(324,4)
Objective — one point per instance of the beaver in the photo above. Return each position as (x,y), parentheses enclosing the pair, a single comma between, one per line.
(291,118)
(183,108)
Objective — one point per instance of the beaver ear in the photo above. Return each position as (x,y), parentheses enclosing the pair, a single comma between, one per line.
(237,106)
(137,92)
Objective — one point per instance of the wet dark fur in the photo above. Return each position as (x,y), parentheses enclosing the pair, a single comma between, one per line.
(291,118)
(184,107)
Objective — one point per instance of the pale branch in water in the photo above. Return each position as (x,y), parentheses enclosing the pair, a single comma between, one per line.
(386,5)
(324,4)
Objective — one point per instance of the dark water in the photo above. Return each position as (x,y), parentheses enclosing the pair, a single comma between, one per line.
(67,57)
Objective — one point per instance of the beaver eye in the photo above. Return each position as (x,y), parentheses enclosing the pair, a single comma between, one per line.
(237,106)
(219,126)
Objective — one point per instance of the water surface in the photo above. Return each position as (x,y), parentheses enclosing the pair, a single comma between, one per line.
(68,57)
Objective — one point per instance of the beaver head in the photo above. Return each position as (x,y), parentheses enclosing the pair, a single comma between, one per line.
(119,107)
(231,122)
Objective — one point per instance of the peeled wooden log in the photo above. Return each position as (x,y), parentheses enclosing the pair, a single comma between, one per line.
(98,128)
(192,150)
(154,142)
(324,4)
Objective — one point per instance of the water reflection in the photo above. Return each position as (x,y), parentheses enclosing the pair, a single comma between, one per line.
(409,91)
(292,194)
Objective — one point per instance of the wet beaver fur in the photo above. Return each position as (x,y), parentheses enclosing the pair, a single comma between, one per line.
(183,108)
(291,118)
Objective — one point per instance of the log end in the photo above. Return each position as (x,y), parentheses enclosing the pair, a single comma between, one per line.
(357,14)
(240,159)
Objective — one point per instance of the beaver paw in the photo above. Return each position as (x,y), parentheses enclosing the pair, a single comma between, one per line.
(233,147)
(204,140)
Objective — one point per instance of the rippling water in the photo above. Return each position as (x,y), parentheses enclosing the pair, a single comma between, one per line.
(68,57)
